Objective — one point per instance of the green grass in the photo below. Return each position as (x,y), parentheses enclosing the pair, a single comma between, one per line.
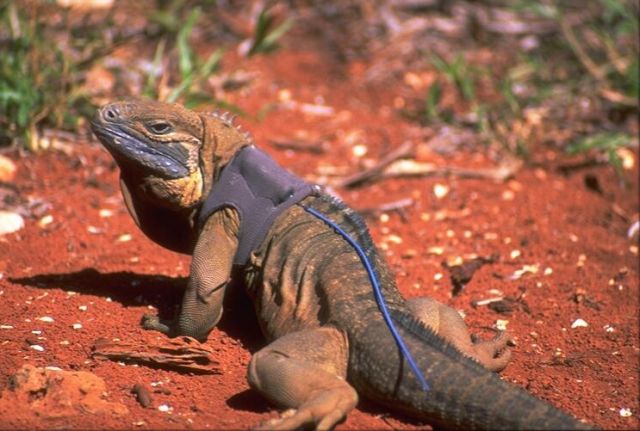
(267,33)
(39,83)
(192,73)
(597,57)
(607,143)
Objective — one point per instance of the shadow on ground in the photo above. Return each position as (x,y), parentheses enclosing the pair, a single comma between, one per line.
(162,292)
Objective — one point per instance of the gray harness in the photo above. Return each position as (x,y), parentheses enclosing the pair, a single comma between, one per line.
(259,190)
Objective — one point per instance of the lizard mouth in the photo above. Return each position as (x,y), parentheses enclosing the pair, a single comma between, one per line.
(127,148)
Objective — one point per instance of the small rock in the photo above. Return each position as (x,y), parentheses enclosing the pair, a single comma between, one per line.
(165,408)
(37,347)
(508,195)
(94,230)
(45,221)
(10,222)
(579,323)
(440,190)
(394,239)
(435,250)
(47,319)
(490,236)
(142,395)
(125,237)
(501,324)
(625,412)
(7,169)
(359,150)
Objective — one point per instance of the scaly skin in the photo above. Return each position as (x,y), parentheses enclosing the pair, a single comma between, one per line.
(312,295)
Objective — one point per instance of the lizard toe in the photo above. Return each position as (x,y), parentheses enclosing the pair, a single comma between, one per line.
(322,412)
(151,322)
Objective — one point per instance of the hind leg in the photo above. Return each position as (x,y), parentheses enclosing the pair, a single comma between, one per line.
(447,322)
(305,371)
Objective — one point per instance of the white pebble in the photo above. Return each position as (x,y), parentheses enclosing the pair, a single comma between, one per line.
(508,195)
(45,221)
(359,150)
(165,408)
(440,190)
(625,412)
(6,327)
(52,368)
(94,230)
(501,324)
(10,222)
(579,323)
(36,332)
(37,347)
(82,307)
(435,250)
(394,239)
(104,213)
(515,254)
(76,326)
(45,319)
(125,237)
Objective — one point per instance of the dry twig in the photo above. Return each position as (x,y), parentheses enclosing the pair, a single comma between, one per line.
(316,147)
(412,168)
(407,149)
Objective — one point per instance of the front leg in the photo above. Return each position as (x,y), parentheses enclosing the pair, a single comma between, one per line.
(210,273)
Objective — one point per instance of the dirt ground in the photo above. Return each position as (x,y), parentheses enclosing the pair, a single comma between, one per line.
(93,273)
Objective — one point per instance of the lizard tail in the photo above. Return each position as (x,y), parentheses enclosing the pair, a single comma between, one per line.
(462,394)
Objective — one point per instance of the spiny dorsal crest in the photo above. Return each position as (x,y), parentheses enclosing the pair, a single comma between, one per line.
(229,119)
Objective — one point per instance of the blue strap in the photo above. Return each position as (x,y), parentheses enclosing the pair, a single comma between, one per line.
(378,295)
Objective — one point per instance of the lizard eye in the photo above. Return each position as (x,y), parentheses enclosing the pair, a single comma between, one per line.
(160,128)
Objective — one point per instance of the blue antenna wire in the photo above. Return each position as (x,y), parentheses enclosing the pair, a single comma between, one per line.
(378,295)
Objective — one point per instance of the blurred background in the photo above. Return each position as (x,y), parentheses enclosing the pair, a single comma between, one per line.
(497,68)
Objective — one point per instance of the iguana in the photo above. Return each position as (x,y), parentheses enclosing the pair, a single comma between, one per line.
(181,175)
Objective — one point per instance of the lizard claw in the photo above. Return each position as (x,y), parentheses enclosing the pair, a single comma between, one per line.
(494,354)
(321,413)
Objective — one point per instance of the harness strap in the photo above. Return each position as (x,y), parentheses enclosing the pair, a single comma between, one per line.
(378,295)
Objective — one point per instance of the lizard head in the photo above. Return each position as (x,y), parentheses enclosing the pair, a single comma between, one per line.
(166,152)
